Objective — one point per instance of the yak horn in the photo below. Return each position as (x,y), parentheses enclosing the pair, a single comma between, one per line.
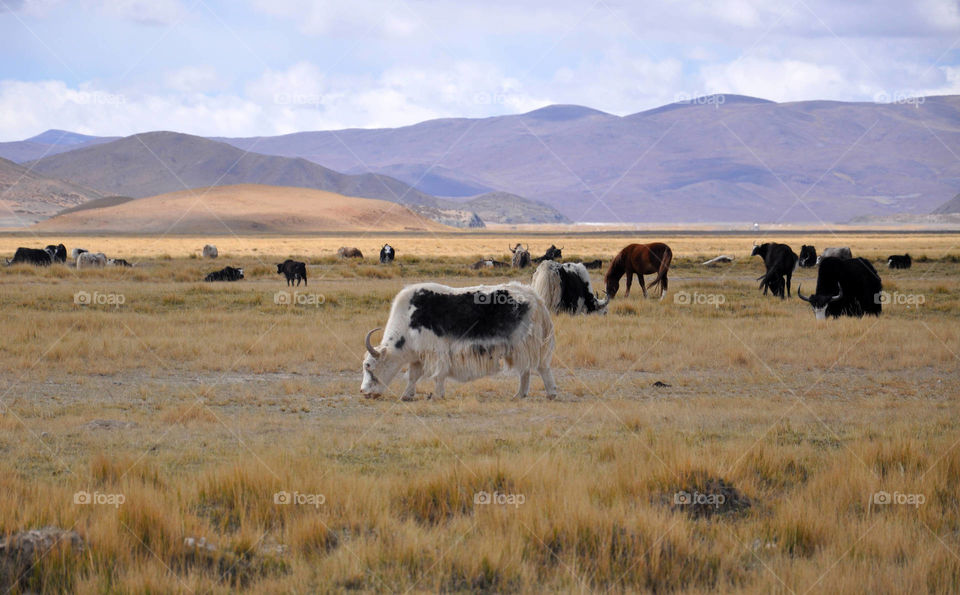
(370,348)
(800,295)
(839,295)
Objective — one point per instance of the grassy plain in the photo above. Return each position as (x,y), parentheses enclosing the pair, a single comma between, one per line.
(199,402)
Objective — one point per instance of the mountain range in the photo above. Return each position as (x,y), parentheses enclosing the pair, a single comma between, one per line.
(711,159)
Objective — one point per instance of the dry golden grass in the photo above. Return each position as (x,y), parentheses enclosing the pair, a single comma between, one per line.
(199,402)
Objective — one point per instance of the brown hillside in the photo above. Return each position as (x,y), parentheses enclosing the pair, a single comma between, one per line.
(245,208)
(26,196)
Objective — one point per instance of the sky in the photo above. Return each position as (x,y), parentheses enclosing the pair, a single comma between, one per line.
(266,67)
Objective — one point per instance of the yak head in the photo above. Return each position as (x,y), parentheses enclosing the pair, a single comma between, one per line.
(819,302)
(760,250)
(380,365)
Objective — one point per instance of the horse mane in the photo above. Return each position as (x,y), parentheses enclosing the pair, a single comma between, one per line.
(617,266)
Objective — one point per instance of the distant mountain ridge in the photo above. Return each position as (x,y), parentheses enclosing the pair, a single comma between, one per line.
(704,159)
(27,196)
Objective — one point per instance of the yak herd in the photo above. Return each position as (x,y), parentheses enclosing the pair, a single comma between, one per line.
(846,286)
(465,333)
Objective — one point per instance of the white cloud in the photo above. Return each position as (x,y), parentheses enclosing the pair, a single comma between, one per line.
(148,12)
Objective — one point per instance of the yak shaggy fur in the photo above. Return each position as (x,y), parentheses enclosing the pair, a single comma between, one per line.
(463,333)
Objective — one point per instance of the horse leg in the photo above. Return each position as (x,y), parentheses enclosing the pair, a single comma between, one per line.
(629,283)
(642,286)
(663,286)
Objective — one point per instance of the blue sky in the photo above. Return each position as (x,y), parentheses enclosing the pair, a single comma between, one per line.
(248,67)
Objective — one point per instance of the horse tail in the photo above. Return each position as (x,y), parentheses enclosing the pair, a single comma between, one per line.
(665,258)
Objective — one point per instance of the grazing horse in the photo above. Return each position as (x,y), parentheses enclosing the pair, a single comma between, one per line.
(640,260)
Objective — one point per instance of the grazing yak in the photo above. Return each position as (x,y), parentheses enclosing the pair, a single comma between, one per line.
(845,287)
(293,271)
(387,254)
(841,252)
(461,333)
(347,252)
(32,256)
(488,263)
(521,257)
(594,264)
(57,253)
(566,288)
(780,261)
(118,262)
(808,257)
(552,253)
(899,261)
(91,260)
(225,274)
(210,251)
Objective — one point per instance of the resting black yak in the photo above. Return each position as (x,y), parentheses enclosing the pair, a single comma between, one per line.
(225,274)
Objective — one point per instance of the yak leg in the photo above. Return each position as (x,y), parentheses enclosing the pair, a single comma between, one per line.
(439,390)
(548,384)
(413,375)
(789,275)
(524,385)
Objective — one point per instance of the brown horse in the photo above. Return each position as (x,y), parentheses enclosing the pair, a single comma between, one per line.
(640,260)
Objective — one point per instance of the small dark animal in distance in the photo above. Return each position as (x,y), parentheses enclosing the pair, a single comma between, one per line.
(225,274)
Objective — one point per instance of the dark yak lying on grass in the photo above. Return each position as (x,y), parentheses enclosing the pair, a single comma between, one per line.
(845,287)
(225,274)
(348,252)
(899,261)
(32,256)
(293,271)
(552,253)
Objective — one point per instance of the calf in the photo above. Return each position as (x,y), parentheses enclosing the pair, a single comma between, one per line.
(461,333)
(293,271)
(225,274)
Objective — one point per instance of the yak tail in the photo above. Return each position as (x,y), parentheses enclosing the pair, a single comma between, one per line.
(665,259)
